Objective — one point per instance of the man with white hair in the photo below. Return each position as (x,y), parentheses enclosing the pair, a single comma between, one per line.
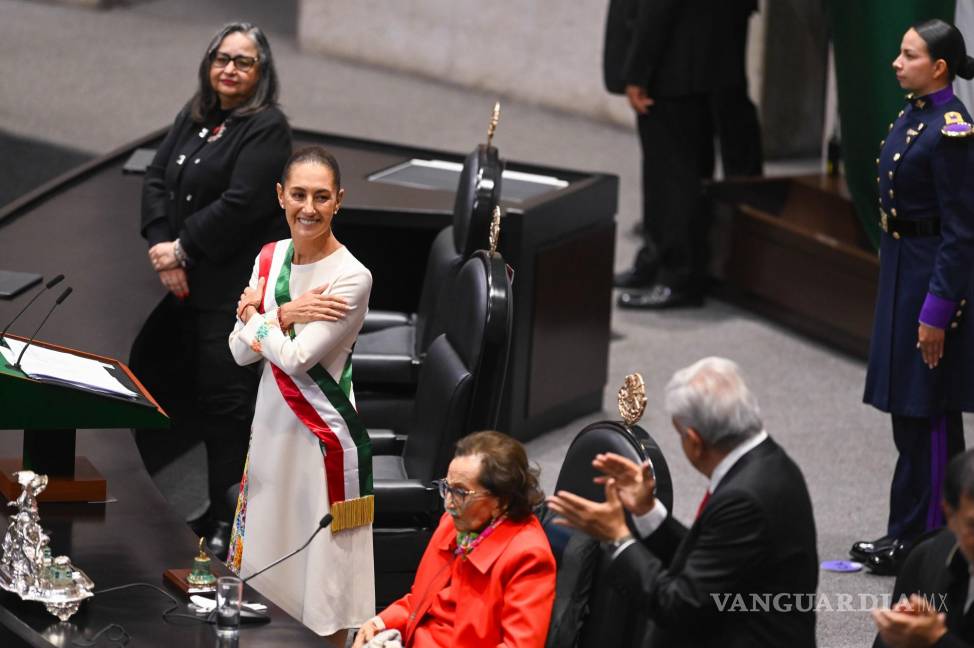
(745,572)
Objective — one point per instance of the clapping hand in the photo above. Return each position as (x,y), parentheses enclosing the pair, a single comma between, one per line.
(912,624)
(636,484)
(604,521)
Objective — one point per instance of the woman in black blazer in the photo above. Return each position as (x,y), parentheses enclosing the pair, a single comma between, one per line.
(208,205)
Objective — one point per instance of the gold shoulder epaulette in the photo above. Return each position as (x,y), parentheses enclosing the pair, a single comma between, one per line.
(955,126)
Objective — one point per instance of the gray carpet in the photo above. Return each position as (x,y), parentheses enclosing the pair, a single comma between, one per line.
(107,77)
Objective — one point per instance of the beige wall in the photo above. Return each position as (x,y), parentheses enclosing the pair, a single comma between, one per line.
(547,52)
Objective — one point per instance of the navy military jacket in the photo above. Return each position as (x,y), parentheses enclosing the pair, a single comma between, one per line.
(924,175)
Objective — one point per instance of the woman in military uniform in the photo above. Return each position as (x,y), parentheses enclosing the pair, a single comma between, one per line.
(921,358)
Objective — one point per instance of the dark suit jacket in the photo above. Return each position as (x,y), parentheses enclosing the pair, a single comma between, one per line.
(933,569)
(218,197)
(756,536)
(675,48)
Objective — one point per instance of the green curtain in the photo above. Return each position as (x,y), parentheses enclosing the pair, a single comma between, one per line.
(866,38)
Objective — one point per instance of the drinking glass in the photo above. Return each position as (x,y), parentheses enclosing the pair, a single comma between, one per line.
(229,592)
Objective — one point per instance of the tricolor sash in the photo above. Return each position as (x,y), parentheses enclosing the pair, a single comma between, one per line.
(324,407)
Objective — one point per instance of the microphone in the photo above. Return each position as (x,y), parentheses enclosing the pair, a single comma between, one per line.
(57,302)
(322,524)
(50,284)
(257,617)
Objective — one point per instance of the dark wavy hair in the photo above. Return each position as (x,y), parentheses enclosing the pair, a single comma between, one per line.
(205,101)
(504,471)
(944,41)
(317,154)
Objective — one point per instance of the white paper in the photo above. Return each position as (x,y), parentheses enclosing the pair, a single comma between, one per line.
(47,364)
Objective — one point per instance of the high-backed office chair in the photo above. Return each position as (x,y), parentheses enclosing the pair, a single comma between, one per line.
(392,343)
(387,360)
(458,391)
(588,613)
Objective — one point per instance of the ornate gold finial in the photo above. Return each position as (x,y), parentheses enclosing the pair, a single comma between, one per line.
(495,117)
(632,399)
(495,229)
(202,553)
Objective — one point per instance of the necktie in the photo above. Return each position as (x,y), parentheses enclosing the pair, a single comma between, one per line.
(703,503)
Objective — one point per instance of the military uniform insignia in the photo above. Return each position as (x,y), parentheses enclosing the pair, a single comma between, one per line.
(955,126)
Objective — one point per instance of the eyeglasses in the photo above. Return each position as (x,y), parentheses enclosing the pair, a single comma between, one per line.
(459,494)
(241,62)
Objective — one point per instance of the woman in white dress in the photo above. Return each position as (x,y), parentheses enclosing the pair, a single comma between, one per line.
(309,453)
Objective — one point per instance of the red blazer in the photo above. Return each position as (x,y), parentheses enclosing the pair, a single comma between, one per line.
(504,589)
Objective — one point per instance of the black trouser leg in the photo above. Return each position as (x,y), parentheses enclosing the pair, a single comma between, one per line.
(677,143)
(925,445)
(160,356)
(226,394)
(739,132)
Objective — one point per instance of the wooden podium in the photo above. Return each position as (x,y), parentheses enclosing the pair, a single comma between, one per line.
(50,413)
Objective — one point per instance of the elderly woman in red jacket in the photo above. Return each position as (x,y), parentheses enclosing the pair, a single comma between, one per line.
(487,577)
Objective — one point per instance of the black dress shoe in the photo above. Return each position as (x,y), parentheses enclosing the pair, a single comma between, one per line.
(659,297)
(887,562)
(863,549)
(218,542)
(634,278)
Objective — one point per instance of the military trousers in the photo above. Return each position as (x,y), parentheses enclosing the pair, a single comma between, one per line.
(925,445)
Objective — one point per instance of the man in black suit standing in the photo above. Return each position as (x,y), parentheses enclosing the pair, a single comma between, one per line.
(745,572)
(933,598)
(681,65)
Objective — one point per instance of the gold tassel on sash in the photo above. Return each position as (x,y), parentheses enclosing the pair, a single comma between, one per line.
(349,514)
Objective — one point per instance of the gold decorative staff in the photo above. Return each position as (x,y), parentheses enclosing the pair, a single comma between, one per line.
(495,117)
(495,229)
(632,399)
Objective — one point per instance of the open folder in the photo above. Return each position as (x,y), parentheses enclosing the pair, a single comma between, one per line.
(56,366)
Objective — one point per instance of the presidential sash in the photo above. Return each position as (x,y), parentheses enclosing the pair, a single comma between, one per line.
(324,407)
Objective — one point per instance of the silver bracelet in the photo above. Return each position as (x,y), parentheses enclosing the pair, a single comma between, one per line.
(177,251)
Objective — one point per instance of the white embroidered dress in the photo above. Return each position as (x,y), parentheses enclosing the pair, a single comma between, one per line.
(329,585)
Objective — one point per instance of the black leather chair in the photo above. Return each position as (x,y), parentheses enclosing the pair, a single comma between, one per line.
(391,348)
(458,392)
(588,613)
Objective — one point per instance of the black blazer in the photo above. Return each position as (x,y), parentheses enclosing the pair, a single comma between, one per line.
(675,48)
(933,569)
(218,197)
(756,536)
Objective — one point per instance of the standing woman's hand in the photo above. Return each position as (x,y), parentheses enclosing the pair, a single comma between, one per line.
(250,297)
(175,281)
(163,257)
(930,341)
(312,306)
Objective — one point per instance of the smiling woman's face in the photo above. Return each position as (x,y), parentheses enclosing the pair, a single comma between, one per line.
(310,199)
